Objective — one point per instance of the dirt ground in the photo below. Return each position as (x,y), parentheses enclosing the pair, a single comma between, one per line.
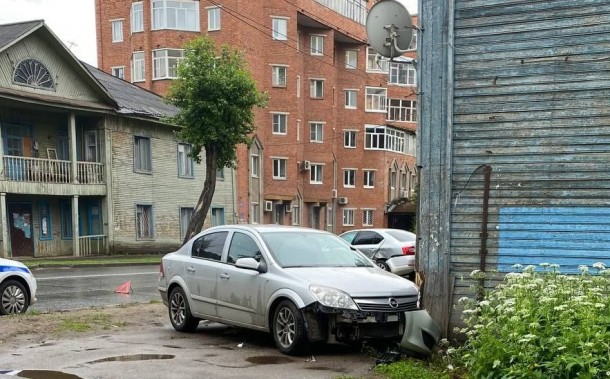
(138,341)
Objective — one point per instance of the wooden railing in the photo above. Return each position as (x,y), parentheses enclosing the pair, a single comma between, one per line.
(92,245)
(25,169)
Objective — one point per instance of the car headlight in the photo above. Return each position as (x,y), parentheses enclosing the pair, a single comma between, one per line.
(332,297)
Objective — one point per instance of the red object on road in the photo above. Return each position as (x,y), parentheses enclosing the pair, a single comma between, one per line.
(124,288)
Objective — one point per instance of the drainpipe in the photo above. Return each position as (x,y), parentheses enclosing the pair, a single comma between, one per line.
(484,224)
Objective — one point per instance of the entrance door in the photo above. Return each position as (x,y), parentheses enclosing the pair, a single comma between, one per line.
(22,239)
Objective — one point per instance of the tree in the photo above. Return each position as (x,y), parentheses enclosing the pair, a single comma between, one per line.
(215,94)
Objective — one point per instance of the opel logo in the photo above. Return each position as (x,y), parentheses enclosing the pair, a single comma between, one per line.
(393,302)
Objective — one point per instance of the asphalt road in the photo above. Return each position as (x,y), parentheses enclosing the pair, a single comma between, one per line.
(81,287)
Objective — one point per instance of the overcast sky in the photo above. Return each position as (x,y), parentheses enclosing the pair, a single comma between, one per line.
(73,21)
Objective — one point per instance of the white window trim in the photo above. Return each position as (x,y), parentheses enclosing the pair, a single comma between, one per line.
(273,158)
(321,180)
(166,58)
(316,52)
(364,171)
(355,131)
(311,80)
(322,136)
(385,105)
(258,167)
(356,93)
(272,31)
(279,113)
(355,173)
(112,23)
(133,66)
(131,17)
(372,216)
(376,70)
(353,211)
(117,67)
(273,66)
(408,69)
(219,7)
(165,27)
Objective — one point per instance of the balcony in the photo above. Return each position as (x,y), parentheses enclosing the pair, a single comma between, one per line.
(38,170)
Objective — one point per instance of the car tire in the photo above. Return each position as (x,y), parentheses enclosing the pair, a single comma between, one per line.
(381,264)
(288,329)
(180,313)
(14,298)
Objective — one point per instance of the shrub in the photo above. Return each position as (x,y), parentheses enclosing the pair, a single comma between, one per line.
(539,324)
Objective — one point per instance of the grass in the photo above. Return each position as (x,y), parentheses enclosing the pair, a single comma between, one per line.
(88,322)
(91,261)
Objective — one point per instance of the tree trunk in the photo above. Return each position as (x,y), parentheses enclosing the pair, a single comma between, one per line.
(205,199)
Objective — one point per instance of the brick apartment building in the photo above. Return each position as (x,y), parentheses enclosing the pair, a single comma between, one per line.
(335,147)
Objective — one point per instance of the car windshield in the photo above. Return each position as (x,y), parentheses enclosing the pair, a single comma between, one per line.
(302,249)
(401,235)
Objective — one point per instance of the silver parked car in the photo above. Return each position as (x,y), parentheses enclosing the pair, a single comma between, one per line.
(302,285)
(391,249)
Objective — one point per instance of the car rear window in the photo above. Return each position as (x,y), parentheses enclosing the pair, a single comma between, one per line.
(402,235)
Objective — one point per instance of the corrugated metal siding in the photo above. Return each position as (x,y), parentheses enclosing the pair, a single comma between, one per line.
(531,99)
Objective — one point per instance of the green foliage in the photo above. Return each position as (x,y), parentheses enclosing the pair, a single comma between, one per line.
(215,94)
(539,324)
(413,368)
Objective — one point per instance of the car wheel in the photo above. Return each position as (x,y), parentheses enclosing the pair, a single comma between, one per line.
(180,313)
(289,329)
(13,298)
(381,264)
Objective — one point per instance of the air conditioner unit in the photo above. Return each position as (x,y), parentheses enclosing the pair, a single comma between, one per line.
(305,165)
(334,194)
(343,200)
(268,206)
(288,207)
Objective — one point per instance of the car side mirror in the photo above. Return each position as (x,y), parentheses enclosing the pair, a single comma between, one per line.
(251,264)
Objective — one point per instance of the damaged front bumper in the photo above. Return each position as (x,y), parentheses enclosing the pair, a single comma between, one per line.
(376,318)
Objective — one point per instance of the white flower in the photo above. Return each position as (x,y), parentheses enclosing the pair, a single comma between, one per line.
(517,266)
(484,303)
(544,264)
(583,269)
(496,363)
(599,266)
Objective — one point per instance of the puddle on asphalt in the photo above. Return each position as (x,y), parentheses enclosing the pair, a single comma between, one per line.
(135,357)
(44,374)
(268,360)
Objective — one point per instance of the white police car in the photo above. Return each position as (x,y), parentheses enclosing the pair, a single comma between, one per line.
(17,287)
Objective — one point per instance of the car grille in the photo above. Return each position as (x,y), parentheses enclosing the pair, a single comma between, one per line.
(383,304)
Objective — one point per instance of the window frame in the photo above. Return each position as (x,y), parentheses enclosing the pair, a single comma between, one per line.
(316,131)
(375,96)
(138,155)
(376,63)
(278,124)
(255,167)
(351,99)
(151,225)
(349,178)
(406,110)
(351,56)
(315,86)
(410,74)
(214,18)
(316,173)
(159,16)
(44,211)
(166,63)
(279,24)
(279,167)
(348,213)
(115,69)
(138,66)
(137,17)
(371,213)
(349,136)
(65,215)
(181,219)
(368,180)
(185,161)
(117,30)
(276,76)
(316,44)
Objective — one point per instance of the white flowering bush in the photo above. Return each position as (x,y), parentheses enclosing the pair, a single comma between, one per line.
(539,324)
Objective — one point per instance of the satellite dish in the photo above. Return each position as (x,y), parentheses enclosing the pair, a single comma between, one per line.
(389,29)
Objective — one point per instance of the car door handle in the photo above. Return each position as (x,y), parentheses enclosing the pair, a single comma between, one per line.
(224,276)
(190,269)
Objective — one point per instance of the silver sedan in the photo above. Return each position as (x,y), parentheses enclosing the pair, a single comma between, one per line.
(302,285)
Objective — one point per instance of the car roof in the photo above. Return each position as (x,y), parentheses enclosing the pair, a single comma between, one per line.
(378,230)
(266,228)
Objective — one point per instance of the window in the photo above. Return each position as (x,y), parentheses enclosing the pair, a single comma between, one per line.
(33,73)
(117,30)
(220,174)
(316,132)
(367,217)
(185,218)
(375,62)
(367,237)
(376,99)
(65,210)
(329,218)
(296,213)
(279,168)
(209,246)
(278,76)
(141,154)
(144,223)
(349,178)
(411,144)
(316,45)
(243,246)
(165,63)
(349,138)
(351,99)
(351,59)
(402,73)
(316,174)
(369,179)
(175,14)
(218,216)
(279,29)
(255,166)
(137,17)
(384,138)
(348,217)
(138,70)
(393,180)
(402,110)
(213,19)
(255,216)
(280,121)
(355,10)
(119,72)
(44,221)
(316,88)
(185,162)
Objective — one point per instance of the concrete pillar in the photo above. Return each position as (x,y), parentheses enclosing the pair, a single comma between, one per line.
(75,226)
(6,245)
